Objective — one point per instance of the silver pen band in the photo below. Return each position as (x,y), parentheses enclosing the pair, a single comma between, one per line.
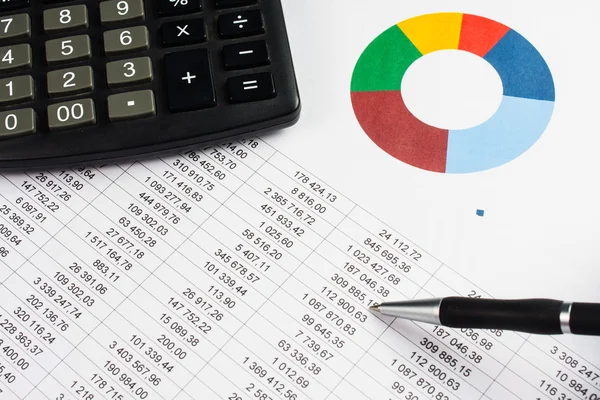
(426,310)
(565,317)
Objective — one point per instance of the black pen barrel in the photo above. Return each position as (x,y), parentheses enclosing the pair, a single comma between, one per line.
(585,319)
(540,316)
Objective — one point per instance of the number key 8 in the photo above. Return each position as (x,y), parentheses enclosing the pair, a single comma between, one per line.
(65,18)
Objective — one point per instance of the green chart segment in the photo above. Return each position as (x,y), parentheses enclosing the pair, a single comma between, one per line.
(384,63)
(521,119)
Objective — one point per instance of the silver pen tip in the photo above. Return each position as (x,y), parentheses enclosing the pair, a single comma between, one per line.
(374,307)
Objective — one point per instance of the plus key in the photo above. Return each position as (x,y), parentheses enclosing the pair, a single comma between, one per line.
(189,80)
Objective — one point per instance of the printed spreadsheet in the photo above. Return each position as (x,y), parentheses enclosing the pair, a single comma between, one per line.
(233,273)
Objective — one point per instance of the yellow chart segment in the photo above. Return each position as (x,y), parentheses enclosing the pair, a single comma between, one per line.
(434,32)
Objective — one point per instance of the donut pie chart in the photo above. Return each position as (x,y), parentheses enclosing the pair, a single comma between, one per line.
(523,116)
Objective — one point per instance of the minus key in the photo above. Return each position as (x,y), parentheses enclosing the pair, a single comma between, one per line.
(246,55)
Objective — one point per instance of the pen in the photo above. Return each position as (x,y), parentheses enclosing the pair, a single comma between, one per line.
(540,316)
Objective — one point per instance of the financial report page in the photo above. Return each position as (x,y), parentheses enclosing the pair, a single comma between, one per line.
(245,270)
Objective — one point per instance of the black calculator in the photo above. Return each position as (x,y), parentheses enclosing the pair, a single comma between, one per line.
(89,81)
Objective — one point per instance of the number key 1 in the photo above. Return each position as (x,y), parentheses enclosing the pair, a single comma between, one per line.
(19,88)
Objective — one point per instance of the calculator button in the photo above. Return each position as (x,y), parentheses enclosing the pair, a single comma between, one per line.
(63,18)
(124,72)
(17,89)
(17,122)
(121,10)
(13,57)
(246,55)
(189,80)
(68,49)
(175,7)
(13,4)
(70,81)
(15,26)
(131,105)
(179,33)
(71,114)
(247,88)
(126,39)
(240,24)
(233,3)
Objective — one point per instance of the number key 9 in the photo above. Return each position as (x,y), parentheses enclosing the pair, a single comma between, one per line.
(121,10)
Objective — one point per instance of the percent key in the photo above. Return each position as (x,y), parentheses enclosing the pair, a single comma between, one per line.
(176,7)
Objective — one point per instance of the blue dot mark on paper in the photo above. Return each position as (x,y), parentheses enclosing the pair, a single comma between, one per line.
(480,213)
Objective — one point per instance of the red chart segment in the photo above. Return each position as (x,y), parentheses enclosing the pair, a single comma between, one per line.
(388,122)
(479,34)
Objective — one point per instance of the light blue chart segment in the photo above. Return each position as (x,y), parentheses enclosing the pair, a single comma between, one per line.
(510,132)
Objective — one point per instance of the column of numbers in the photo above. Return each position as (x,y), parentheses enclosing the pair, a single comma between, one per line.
(46,312)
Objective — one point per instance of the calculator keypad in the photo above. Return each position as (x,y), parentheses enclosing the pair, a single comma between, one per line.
(91,66)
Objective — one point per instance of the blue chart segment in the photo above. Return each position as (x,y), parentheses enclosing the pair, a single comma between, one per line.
(522,69)
(515,127)
(523,116)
